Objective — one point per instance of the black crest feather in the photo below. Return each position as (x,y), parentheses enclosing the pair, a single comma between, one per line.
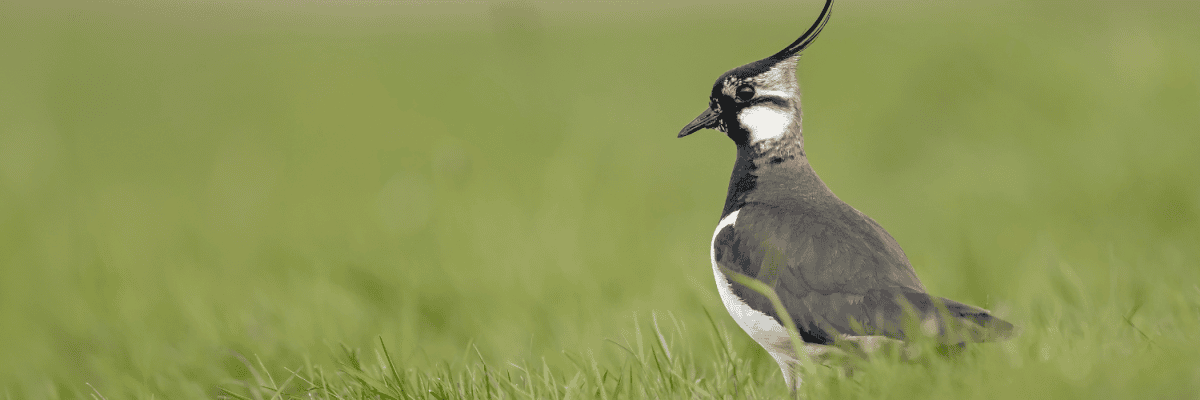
(807,38)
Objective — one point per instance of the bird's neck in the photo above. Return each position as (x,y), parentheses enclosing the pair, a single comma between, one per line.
(773,169)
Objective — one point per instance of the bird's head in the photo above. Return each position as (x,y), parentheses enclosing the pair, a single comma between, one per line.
(760,100)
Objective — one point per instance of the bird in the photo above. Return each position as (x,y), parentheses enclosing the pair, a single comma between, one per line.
(838,275)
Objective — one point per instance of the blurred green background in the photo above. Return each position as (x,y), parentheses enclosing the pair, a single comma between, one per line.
(186,183)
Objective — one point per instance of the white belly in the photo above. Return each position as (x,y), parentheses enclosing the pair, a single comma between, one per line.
(761,327)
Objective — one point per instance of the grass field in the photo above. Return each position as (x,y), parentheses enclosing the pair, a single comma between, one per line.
(255,200)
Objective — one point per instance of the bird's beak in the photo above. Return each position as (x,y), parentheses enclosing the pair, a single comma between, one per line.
(706,120)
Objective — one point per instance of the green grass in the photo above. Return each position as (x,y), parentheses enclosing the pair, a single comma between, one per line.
(205,199)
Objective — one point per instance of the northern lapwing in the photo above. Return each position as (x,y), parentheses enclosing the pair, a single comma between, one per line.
(838,274)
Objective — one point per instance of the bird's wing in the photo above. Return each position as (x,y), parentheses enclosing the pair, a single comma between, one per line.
(836,271)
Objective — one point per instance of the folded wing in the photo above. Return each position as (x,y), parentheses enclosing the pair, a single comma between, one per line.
(839,273)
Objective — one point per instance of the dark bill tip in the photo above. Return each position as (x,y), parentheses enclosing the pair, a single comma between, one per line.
(706,120)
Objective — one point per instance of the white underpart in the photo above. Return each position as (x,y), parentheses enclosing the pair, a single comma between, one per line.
(765,122)
(761,327)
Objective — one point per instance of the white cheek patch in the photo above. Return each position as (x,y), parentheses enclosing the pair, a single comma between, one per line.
(764,122)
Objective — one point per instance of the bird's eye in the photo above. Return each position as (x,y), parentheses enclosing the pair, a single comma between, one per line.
(745,92)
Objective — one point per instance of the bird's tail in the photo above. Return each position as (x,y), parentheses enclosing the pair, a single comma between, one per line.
(957,322)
